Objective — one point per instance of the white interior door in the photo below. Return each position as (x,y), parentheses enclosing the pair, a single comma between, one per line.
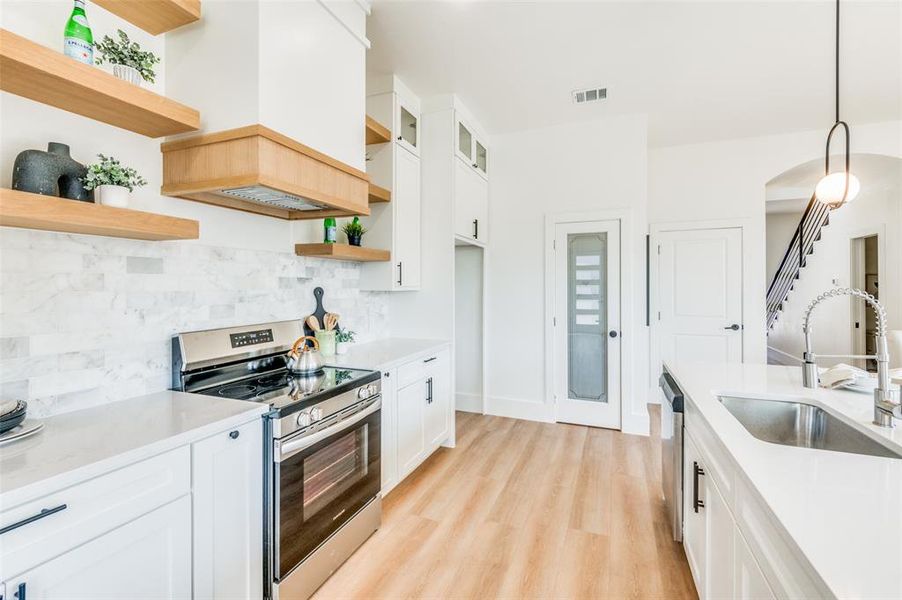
(700,295)
(587,323)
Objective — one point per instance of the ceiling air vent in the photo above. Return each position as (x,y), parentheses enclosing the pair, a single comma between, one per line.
(589,95)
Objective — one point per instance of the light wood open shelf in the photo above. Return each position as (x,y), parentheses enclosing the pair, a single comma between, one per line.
(154,16)
(44,75)
(376,133)
(34,211)
(342,252)
(378,194)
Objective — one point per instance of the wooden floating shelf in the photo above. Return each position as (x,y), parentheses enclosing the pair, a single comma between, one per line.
(342,252)
(44,75)
(34,211)
(375,132)
(154,16)
(378,194)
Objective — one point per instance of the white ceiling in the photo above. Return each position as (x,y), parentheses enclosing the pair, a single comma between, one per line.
(700,70)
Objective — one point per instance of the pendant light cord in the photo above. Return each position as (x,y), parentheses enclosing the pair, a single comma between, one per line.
(836,120)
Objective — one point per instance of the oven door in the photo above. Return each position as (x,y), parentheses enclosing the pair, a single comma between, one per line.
(322,477)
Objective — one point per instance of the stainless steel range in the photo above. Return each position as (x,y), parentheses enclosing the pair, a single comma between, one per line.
(322,447)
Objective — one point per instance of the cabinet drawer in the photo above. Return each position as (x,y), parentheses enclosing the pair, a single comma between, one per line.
(415,370)
(91,508)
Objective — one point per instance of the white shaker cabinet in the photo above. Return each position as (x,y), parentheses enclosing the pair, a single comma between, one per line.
(395,166)
(417,414)
(227,474)
(438,399)
(750,583)
(471,205)
(149,557)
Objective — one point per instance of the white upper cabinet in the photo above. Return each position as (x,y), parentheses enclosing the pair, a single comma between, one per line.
(471,205)
(470,148)
(395,166)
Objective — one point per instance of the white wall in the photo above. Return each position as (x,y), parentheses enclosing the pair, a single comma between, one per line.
(579,167)
(468,334)
(726,180)
(87,319)
(779,228)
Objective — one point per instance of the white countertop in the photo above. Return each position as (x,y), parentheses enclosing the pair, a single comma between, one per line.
(385,354)
(843,511)
(81,444)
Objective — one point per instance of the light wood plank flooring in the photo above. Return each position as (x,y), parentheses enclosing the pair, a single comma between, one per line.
(524,510)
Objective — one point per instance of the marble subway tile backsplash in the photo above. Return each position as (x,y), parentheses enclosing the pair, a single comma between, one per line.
(87,320)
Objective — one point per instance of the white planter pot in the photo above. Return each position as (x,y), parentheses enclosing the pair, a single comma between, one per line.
(341,348)
(112,195)
(129,74)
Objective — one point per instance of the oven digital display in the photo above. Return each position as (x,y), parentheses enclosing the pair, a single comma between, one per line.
(249,338)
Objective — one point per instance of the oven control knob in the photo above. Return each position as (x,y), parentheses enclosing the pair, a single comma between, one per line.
(363,392)
(304,419)
(316,413)
(371,389)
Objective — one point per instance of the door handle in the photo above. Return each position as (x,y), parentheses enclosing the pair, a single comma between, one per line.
(613,333)
(734,327)
(696,472)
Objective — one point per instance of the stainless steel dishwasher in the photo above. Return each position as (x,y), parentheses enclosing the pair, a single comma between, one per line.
(672,451)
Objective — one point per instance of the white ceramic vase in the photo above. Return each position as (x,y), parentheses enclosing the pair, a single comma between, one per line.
(341,348)
(112,195)
(129,74)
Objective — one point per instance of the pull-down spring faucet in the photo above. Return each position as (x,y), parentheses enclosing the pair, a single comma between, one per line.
(886,400)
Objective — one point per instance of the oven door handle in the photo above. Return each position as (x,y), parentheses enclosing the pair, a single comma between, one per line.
(288,449)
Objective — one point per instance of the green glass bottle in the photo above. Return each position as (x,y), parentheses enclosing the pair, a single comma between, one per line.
(330,234)
(78,41)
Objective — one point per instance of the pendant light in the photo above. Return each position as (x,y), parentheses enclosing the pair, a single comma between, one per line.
(835,189)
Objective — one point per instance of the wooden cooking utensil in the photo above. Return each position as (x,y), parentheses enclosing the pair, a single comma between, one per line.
(313,323)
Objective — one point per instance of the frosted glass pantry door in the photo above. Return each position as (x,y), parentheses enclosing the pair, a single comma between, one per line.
(587,323)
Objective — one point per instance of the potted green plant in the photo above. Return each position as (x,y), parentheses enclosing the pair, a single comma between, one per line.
(342,339)
(354,230)
(130,63)
(112,182)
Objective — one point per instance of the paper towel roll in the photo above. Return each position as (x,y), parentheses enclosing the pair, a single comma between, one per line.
(894,341)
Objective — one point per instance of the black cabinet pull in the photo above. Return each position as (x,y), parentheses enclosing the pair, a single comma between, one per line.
(428,360)
(387,375)
(429,391)
(234,435)
(20,593)
(45,512)
(476,229)
(400,274)
(696,471)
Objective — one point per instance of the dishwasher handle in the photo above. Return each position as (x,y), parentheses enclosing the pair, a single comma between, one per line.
(672,391)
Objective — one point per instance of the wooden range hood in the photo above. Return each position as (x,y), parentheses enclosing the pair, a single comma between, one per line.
(256,169)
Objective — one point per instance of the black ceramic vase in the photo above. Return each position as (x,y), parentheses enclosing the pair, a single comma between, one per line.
(51,173)
(354,240)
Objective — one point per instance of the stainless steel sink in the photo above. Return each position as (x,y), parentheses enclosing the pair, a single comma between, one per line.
(803,425)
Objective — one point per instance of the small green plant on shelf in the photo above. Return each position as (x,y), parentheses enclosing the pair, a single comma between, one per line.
(345,336)
(128,54)
(109,171)
(355,231)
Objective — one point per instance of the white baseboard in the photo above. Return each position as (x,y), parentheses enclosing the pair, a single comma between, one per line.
(778,357)
(469,403)
(519,409)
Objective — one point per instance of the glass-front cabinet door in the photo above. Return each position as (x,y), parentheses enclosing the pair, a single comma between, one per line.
(464,143)
(482,159)
(408,129)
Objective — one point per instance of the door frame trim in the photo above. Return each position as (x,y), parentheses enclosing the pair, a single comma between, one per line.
(631,420)
(856,245)
(655,230)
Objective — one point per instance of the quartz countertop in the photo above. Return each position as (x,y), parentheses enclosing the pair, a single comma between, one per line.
(385,354)
(81,444)
(842,511)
